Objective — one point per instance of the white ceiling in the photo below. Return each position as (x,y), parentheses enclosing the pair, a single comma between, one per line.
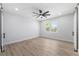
(26,9)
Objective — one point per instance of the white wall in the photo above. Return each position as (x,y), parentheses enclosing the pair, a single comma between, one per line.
(65,28)
(18,28)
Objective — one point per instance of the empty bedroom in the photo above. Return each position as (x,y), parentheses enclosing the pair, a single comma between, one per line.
(39,29)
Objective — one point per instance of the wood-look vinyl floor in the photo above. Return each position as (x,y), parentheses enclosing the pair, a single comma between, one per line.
(40,47)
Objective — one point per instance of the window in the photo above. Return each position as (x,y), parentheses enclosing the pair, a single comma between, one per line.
(49,26)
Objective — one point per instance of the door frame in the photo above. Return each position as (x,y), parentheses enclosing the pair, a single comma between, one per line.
(1,9)
(76,29)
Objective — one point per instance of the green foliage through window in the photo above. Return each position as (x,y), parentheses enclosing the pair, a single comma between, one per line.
(49,26)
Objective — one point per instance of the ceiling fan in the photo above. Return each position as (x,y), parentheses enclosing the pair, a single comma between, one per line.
(41,14)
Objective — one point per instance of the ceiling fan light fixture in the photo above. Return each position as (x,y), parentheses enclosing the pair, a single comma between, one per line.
(42,14)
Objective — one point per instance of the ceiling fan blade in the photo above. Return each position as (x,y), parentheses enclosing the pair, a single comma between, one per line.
(40,11)
(47,14)
(35,13)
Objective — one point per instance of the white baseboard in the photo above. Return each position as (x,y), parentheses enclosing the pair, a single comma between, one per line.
(26,38)
(57,39)
(31,37)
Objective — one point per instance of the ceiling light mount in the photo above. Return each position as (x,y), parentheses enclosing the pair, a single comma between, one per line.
(16,9)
